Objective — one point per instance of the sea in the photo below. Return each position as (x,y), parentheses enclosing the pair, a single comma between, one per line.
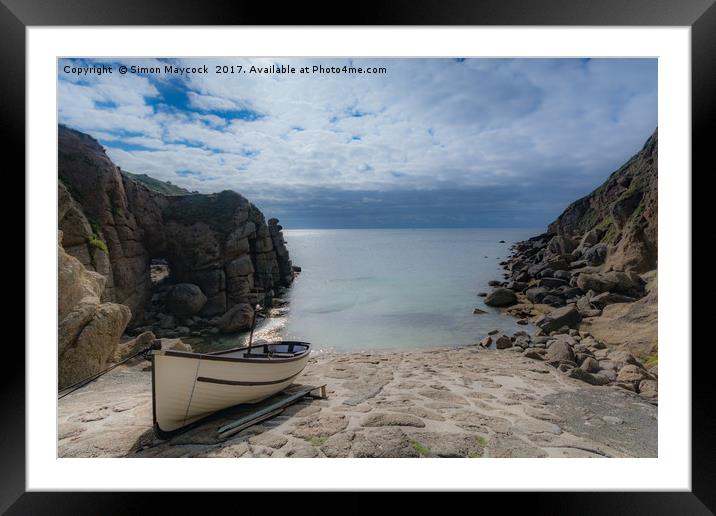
(396,289)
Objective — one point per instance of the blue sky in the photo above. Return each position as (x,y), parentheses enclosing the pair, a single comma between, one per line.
(431,143)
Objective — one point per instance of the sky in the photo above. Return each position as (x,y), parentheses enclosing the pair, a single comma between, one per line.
(428,143)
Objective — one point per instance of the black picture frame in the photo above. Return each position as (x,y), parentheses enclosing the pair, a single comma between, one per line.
(700,15)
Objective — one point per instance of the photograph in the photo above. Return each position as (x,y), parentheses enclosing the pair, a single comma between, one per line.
(323,257)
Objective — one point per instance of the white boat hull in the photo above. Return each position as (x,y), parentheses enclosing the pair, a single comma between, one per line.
(187,387)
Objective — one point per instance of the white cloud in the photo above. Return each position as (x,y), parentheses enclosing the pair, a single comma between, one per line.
(436,123)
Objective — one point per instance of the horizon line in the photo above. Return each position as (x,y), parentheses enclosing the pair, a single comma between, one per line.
(403,227)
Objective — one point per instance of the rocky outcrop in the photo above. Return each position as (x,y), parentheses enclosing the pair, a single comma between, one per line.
(594,270)
(220,250)
(632,325)
(621,213)
(89,329)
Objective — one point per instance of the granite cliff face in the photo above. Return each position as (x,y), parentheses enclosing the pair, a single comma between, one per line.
(89,329)
(595,269)
(622,213)
(222,255)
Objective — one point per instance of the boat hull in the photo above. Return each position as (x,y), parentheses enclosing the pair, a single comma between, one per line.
(187,387)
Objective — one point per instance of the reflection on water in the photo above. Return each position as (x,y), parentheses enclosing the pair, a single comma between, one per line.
(396,289)
(266,329)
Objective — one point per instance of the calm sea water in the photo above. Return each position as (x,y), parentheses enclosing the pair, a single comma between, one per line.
(394,289)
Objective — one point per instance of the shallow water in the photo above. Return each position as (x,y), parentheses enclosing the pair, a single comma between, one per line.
(394,289)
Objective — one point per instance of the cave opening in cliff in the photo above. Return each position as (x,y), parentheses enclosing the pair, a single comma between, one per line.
(159,271)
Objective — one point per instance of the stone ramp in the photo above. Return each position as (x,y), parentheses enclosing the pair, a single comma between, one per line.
(437,403)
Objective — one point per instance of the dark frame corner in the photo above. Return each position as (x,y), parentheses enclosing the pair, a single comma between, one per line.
(700,15)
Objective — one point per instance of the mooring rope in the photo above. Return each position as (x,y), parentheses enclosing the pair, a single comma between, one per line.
(78,385)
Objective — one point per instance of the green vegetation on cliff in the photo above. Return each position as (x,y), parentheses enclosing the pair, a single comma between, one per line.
(162,187)
(215,210)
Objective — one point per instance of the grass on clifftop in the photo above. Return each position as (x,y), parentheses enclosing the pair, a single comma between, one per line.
(162,187)
(215,210)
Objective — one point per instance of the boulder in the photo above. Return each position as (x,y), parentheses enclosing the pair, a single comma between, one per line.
(596,255)
(627,283)
(590,365)
(561,244)
(632,373)
(559,351)
(553,283)
(174,344)
(648,386)
(517,286)
(501,297)
(565,316)
(503,342)
(88,331)
(590,238)
(237,318)
(622,358)
(536,294)
(572,292)
(631,326)
(608,374)
(130,347)
(533,354)
(563,275)
(96,344)
(551,300)
(609,298)
(185,299)
(593,379)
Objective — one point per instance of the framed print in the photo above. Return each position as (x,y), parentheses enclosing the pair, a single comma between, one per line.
(275,252)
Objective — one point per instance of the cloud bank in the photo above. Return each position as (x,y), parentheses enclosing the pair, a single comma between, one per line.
(430,143)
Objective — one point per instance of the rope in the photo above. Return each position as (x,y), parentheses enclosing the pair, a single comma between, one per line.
(191,396)
(72,388)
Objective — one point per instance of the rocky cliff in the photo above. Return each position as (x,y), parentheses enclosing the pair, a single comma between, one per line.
(89,329)
(621,213)
(594,270)
(222,255)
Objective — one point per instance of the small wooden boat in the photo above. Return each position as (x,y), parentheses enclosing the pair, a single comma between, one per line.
(187,387)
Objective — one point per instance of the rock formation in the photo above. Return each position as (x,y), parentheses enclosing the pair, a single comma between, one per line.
(222,255)
(89,330)
(592,276)
(621,213)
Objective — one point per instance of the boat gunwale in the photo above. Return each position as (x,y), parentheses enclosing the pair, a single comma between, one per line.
(164,434)
(218,355)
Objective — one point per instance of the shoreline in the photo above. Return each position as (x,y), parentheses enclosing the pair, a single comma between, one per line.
(555,290)
(446,402)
